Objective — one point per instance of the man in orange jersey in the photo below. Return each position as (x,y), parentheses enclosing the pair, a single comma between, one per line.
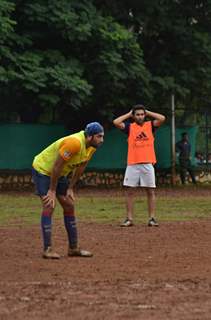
(50,172)
(141,157)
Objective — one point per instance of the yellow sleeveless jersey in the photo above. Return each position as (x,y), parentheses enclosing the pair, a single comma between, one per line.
(71,148)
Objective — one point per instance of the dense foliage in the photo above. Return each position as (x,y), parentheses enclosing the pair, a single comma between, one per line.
(73,61)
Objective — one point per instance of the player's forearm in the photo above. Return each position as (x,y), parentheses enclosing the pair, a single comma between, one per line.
(76,175)
(56,172)
(122,118)
(54,179)
(155,115)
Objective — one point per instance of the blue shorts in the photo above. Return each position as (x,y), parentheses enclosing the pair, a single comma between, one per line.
(42,184)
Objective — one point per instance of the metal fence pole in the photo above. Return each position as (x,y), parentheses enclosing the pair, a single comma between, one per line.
(207,139)
(173,141)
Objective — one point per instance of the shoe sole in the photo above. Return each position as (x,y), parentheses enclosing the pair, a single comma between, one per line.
(80,256)
(51,258)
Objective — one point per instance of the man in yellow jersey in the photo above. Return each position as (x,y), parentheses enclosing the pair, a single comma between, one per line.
(50,172)
(141,157)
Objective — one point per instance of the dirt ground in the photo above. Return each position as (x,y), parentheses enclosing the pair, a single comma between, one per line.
(136,273)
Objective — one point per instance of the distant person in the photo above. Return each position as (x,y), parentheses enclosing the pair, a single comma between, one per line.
(209,158)
(199,159)
(183,147)
(141,158)
(50,172)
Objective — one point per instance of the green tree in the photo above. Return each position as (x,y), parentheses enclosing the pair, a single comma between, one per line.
(68,61)
(176,40)
(74,61)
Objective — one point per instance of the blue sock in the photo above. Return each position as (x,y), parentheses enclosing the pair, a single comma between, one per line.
(70,225)
(46,229)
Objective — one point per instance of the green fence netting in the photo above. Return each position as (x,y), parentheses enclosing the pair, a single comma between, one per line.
(21,142)
(163,144)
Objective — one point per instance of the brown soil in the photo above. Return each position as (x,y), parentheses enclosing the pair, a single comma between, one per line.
(136,273)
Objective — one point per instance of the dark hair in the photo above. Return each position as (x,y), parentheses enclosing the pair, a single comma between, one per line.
(184,134)
(138,107)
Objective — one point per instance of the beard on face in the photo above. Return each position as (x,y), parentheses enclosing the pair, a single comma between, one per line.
(139,121)
(95,144)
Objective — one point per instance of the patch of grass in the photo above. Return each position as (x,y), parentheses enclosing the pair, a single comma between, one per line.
(25,209)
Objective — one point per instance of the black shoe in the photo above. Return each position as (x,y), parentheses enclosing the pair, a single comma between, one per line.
(77,252)
(127,223)
(153,223)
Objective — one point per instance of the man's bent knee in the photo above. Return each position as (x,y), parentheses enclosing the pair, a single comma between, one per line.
(67,203)
(46,208)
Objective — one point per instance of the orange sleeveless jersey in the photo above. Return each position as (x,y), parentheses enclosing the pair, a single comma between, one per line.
(141,144)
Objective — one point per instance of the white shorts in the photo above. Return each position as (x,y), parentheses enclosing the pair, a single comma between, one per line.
(140,175)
